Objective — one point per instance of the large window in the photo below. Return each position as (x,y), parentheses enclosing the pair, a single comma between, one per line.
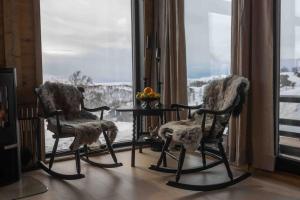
(289,113)
(88,42)
(208,43)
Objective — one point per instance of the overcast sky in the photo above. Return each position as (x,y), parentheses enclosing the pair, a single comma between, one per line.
(94,36)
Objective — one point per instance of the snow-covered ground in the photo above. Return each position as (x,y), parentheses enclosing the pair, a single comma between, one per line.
(290,110)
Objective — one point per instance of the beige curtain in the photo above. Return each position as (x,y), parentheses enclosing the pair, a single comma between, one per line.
(171,32)
(173,62)
(251,138)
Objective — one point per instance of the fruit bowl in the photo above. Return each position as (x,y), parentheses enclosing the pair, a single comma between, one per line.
(147,96)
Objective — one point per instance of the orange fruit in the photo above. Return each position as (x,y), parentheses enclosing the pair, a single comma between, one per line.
(152,94)
(2,114)
(148,90)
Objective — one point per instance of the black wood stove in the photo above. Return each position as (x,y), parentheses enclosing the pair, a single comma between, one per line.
(9,136)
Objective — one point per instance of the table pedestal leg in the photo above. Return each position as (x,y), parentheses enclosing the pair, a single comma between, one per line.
(133,142)
(140,122)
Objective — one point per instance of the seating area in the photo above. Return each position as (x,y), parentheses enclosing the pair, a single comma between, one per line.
(149,99)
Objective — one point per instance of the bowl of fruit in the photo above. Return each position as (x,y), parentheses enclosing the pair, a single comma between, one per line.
(147,96)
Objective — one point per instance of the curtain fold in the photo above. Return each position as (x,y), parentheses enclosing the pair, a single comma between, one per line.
(251,138)
(169,32)
(173,51)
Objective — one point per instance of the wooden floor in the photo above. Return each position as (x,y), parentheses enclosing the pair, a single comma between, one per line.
(140,183)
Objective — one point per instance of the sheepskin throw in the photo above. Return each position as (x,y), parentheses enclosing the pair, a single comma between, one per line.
(218,95)
(75,122)
(59,96)
(84,130)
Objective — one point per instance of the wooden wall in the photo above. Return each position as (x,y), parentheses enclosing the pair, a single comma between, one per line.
(20,44)
(2,60)
(149,40)
(20,47)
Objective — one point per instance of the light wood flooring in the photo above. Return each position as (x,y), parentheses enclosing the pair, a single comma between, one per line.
(140,183)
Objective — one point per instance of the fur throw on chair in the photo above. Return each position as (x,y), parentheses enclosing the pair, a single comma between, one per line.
(75,122)
(219,95)
(59,96)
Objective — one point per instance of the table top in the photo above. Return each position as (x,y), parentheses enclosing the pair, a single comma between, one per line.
(140,109)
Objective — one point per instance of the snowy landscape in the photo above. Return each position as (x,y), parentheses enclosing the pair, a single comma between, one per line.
(290,85)
(116,95)
(119,94)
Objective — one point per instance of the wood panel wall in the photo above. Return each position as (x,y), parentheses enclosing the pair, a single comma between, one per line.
(149,40)
(21,45)
(2,52)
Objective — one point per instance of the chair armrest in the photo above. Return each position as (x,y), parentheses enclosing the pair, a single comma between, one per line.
(96,109)
(102,108)
(213,112)
(55,113)
(185,106)
(52,114)
(178,106)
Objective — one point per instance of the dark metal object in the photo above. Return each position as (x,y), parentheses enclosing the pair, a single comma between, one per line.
(288,164)
(138,113)
(218,154)
(10,164)
(77,153)
(285,150)
(276,70)
(289,122)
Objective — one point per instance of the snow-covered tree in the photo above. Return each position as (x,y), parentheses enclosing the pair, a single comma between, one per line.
(78,79)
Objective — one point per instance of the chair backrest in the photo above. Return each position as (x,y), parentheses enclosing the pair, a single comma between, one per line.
(227,94)
(58,96)
(220,94)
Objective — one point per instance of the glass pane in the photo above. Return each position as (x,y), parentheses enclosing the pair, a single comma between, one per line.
(89,42)
(208,43)
(290,79)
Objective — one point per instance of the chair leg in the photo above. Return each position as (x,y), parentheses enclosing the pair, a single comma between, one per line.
(203,153)
(224,157)
(53,153)
(86,151)
(110,149)
(165,161)
(163,152)
(77,158)
(180,162)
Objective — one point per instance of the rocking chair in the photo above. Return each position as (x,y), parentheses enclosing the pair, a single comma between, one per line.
(203,131)
(63,108)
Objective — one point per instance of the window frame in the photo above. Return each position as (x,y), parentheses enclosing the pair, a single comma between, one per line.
(282,163)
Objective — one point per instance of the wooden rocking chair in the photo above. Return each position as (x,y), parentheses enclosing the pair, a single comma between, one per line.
(212,124)
(55,110)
